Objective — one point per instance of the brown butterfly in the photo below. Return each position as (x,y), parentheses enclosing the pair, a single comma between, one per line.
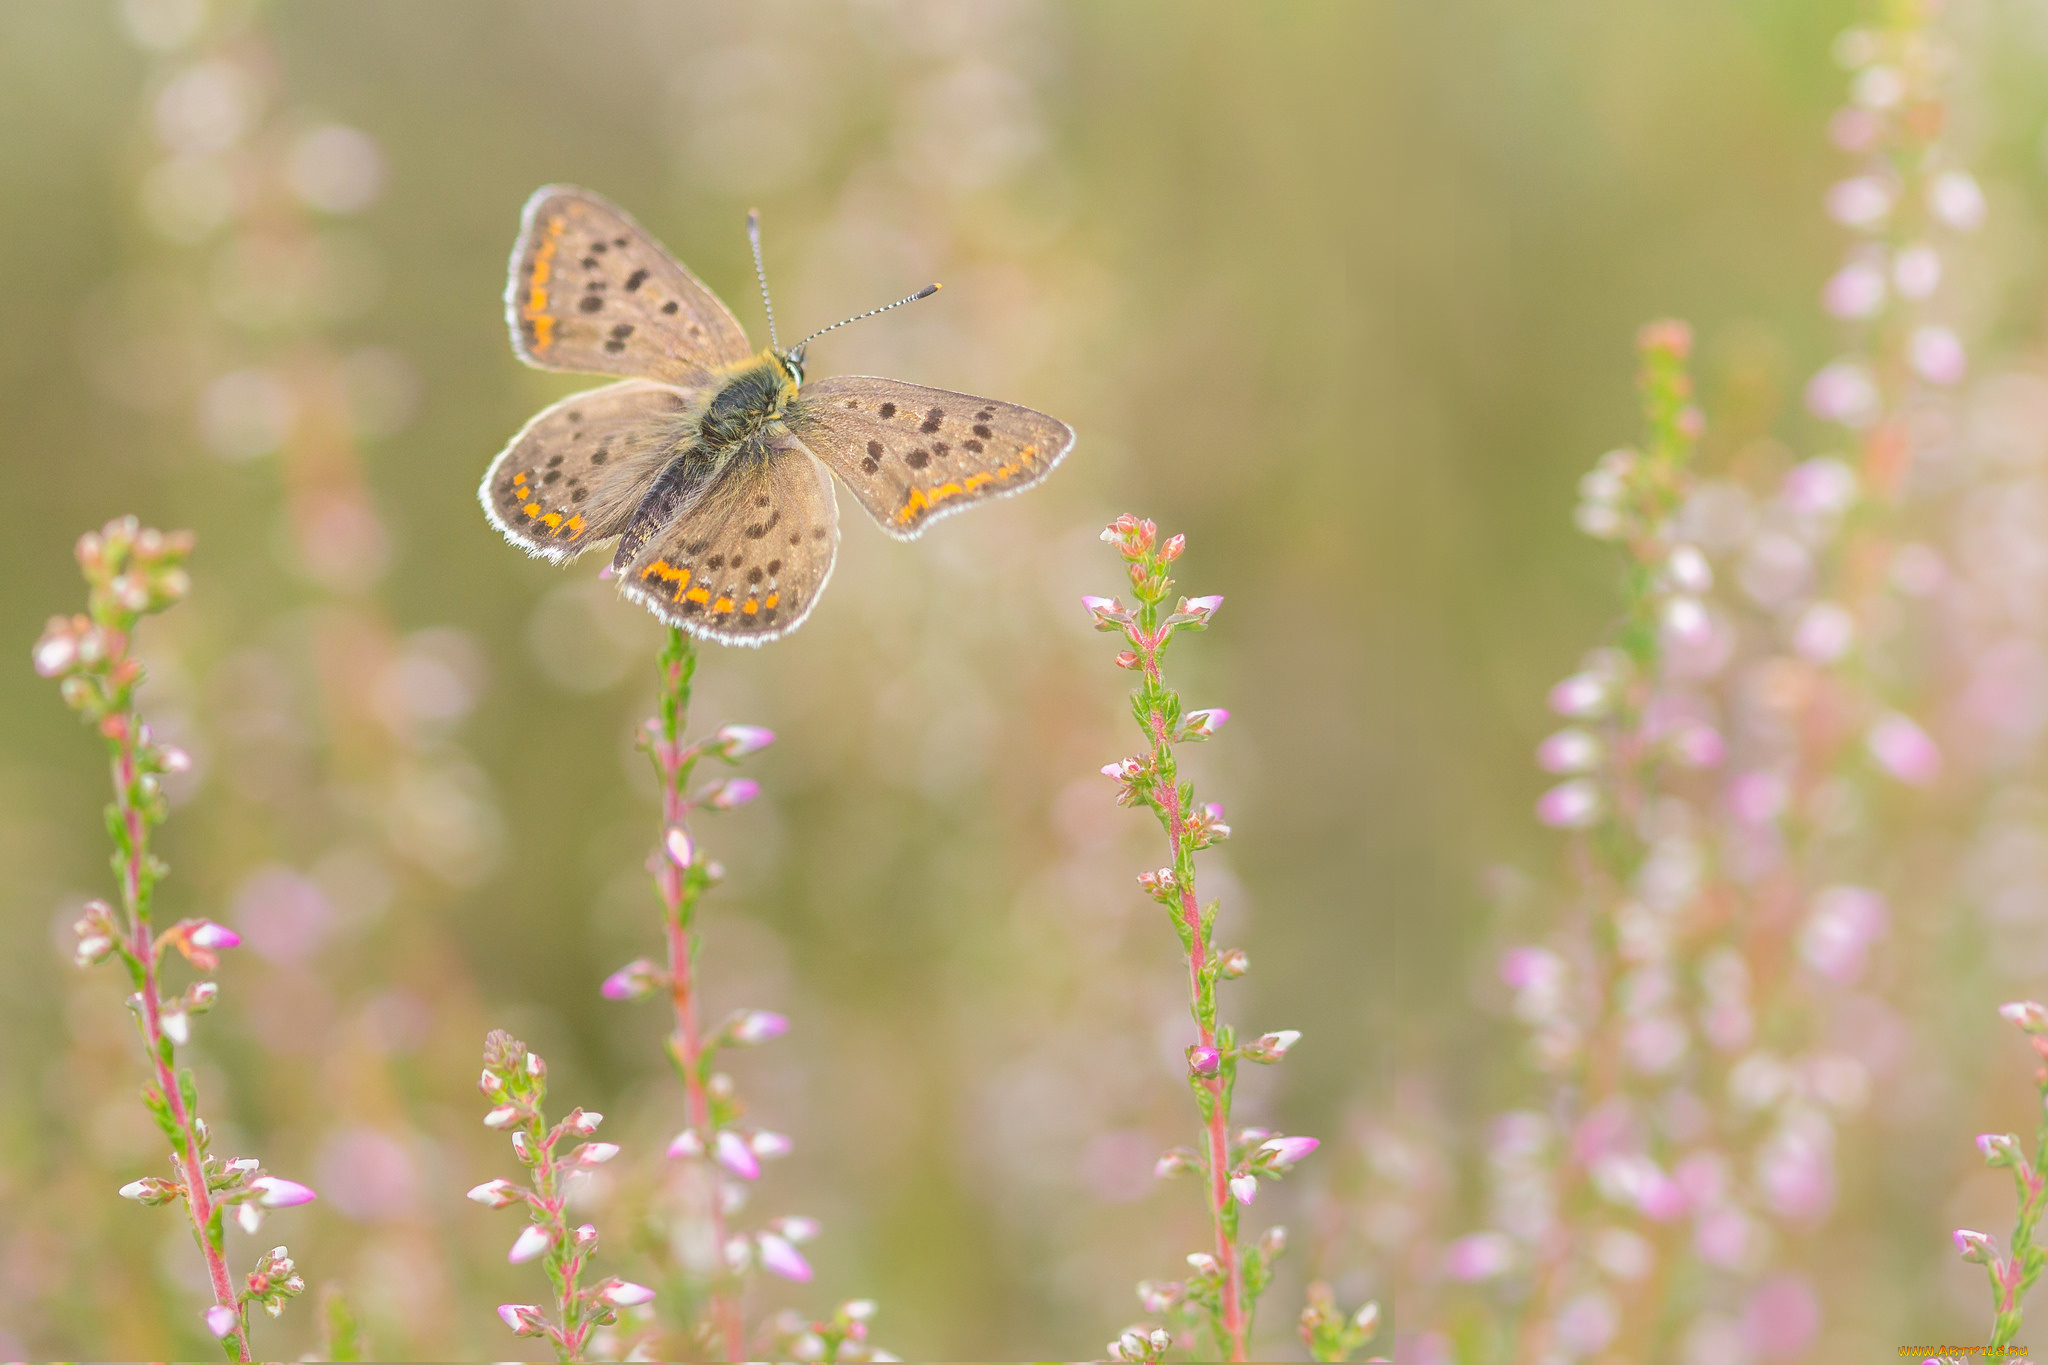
(708,463)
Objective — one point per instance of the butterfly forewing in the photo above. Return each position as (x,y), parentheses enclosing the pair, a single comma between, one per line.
(745,559)
(591,291)
(912,454)
(577,472)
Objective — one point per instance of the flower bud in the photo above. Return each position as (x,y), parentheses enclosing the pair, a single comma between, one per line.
(1282,1152)
(778,1257)
(733,793)
(735,1155)
(1204,1061)
(769,1146)
(1178,1161)
(740,740)
(1159,1297)
(212,937)
(1202,1263)
(1198,610)
(500,1116)
(496,1194)
(636,980)
(524,1319)
(1581,696)
(1232,963)
(222,1320)
(242,1165)
(281,1194)
(1999,1149)
(491,1083)
(1244,1187)
(200,996)
(681,851)
(585,1237)
(1202,724)
(151,1191)
(1109,613)
(533,1240)
(2031,1016)
(857,1310)
(1571,750)
(625,1294)
(1127,659)
(1272,1046)
(1273,1243)
(581,1122)
(520,1146)
(1368,1319)
(795,1228)
(1571,805)
(686,1145)
(756,1026)
(594,1153)
(1973,1247)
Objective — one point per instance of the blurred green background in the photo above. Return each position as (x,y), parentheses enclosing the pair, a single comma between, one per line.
(1345,292)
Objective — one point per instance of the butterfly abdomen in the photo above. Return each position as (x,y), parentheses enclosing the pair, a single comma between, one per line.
(748,400)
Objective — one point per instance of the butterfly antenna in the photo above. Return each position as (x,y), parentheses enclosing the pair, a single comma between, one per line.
(923,293)
(761,273)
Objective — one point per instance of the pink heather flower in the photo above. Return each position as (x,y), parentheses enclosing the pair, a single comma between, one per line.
(1271,1047)
(735,1155)
(1857,290)
(1244,1187)
(733,792)
(1999,1149)
(1973,1247)
(1173,548)
(1523,969)
(523,1318)
(595,1153)
(1202,1263)
(1699,746)
(1904,750)
(778,1257)
(1843,392)
(582,1122)
(1288,1150)
(795,1227)
(495,1194)
(57,650)
(1232,963)
(1723,1237)
(1570,750)
(1937,354)
(281,1194)
(1686,621)
(758,1026)
(1688,569)
(501,1116)
(172,759)
(1179,1161)
(1570,805)
(1956,200)
(1587,1323)
(1782,1318)
(1837,935)
(1917,271)
(222,1320)
(1109,613)
(625,1294)
(1820,487)
(741,740)
(212,937)
(585,1237)
(687,1145)
(1479,1256)
(769,1146)
(636,980)
(2030,1015)
(1581,696)
(1855,130)
(681,851)
(1202,724)
(1757,798)
(1861,202)
(533,1240)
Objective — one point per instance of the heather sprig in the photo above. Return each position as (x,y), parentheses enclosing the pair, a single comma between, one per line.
(2012,1276)
(131,572)
(723,1150)
(515,1081)
(1223,1286)
(1328,1333)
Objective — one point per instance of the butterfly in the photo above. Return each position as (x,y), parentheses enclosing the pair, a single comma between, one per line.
(708,462)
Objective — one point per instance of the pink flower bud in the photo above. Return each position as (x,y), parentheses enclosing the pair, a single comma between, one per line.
(1937,355)
(1285,1151)
(1109,613)
(741,740)
(281,1194)
(769,1146)
(585,1237)
(1202,1263)
(1973,1247)
(1202,724)
(1862,202)
(212,937)
(795,1227)
(1200,609)
(222,1320)
(582,1122)
(1173,548)
(1479,1256)
(756,1026)
(1843,392)
(491,1083)
(523,1318)
(681,851)
(1244,1187)
(172,759)
(1570,805)
(1904,750)
(151,1191)
(625,1294)
(1232,963)
(1857,290)
(501,1116)
(533,1240)
(733,792)
(2031,1016)
(1956,200)
(1582,695)
(636,980)
(496,1194)
(686,1146)
(1127,659)
(1204,1061)
(519,1145)
(1272,1047)
(1999,1149)
(1569,751)
(778,1257)
(735,1155)
(1179,1161)
(594,1153)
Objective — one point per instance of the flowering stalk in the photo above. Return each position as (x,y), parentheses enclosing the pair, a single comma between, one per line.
(2012,1276)
(719,1148)
(516,1082)
(1225,1286)
(132,572)
(1327,1333)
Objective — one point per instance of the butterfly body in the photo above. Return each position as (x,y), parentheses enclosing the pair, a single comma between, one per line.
(709,463)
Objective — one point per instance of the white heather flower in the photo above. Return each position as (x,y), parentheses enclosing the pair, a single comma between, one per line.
(533,1240)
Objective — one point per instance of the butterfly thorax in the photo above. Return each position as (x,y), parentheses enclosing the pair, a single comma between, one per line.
(751,395)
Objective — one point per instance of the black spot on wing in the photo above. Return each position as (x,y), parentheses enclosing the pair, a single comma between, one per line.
(590,303)
(636,279)
(932,420)
(887,409)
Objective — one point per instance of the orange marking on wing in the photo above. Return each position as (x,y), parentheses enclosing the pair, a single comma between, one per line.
(722,604)
(518,480)
(751,607)
(552,520)
(532,509)
(699,595)
(536,309)
(575,526)
(773,598)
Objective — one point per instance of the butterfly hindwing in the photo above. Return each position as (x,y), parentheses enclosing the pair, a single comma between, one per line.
(591,291)
(576,473)
(910,454)
(745,559)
